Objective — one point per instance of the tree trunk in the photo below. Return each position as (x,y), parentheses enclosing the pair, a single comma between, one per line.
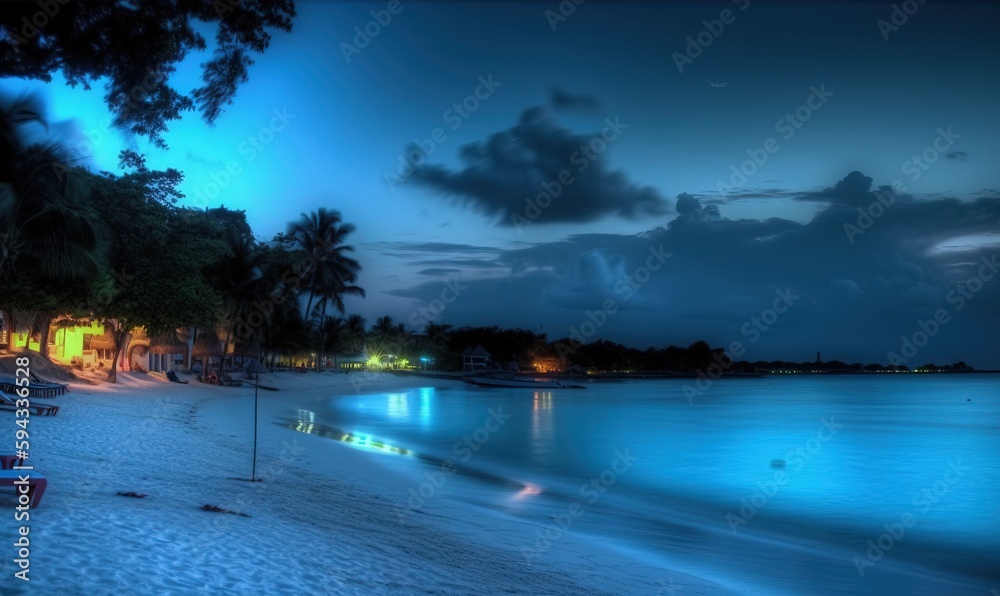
(119,333)
(322,336)
(189,358)
(225,350)
(312,295)
(43,321)
(9,322)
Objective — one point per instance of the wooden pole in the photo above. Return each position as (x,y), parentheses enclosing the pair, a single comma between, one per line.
(253,473)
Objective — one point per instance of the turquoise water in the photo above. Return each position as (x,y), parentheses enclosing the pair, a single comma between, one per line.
(778,483)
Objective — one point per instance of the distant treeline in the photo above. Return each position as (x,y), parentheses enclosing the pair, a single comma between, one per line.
(526,350)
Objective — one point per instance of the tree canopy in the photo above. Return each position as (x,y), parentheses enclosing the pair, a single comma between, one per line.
(134,47)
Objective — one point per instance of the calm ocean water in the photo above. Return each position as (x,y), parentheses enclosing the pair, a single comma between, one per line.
(790,484)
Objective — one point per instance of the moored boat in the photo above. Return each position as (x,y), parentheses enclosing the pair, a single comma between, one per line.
(519,382)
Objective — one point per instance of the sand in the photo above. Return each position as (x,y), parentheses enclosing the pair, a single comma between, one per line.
(328,518)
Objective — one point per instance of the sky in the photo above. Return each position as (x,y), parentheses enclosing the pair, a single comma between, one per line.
(793,177)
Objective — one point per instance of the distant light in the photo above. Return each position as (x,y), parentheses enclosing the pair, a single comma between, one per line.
(527,491)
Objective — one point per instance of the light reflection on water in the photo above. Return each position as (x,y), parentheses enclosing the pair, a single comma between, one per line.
(305,422)
(894,438)
(541,424)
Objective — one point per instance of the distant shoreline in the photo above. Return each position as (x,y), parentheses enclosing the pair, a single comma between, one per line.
(686,375)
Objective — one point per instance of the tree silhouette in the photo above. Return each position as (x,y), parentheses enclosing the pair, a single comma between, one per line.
(135,47)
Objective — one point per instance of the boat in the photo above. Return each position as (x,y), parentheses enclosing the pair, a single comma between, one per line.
(527,382)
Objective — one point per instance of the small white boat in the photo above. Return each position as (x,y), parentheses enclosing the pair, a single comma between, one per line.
(519,382)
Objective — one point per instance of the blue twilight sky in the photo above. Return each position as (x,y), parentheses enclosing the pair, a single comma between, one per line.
(832,104)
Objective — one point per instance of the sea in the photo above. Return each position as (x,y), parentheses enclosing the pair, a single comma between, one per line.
(786,484)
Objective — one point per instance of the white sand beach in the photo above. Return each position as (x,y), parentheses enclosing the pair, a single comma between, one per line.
(326,520)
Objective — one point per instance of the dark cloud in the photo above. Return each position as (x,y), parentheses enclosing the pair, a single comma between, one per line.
(437,271)
(856,300)
(431,247)
(502,173)
(465,263)
(854,190)
(690,209)
(761,193)
(564,100)
(960,155)
(687,204)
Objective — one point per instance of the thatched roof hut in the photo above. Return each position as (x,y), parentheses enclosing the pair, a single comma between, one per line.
(207,344)
(102,342)
(167,343)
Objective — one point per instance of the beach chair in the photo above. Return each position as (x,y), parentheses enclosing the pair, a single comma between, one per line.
(9,384)
(9,402)
(229,381)
(61,388)
(9,460)
(172,376)
(33,482)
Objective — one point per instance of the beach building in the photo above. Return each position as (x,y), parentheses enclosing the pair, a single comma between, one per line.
(357,362)
(476,358)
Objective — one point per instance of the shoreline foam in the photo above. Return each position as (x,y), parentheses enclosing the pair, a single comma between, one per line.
(325,520)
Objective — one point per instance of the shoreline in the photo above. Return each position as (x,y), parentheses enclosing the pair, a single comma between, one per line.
(324,520)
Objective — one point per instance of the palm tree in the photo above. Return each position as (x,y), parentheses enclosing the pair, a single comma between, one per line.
(436,338)
(332,337)
(320,236)
(40,214)
(383,326)
(238,278)
(331,293)
(283,333)
(44,230)
(354,333)
(331,273)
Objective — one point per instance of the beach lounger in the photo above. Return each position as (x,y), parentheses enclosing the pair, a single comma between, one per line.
(9,384)
(231,382)
(9,402)
(9,460)
(172,376)
(63,387)
(35,486)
